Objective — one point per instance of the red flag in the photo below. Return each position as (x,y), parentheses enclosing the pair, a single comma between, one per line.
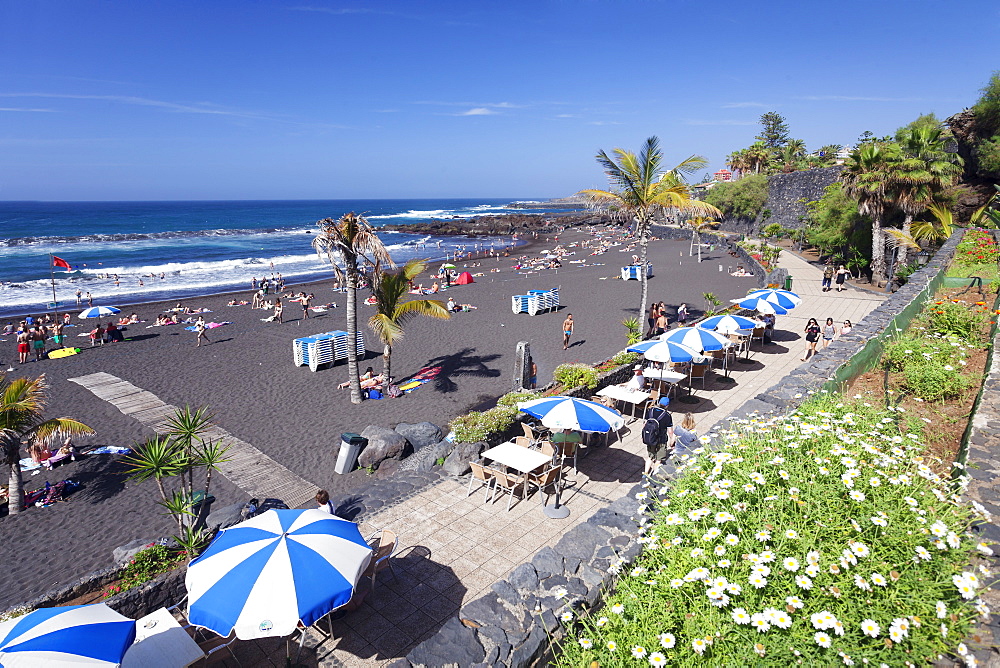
(59,262)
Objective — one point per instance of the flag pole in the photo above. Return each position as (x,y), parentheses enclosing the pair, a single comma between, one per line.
(52,275)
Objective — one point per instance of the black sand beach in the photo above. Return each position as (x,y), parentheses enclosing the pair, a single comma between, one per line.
(247,379)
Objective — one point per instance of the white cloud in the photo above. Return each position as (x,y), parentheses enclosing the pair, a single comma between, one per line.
(27,109)
(479,111)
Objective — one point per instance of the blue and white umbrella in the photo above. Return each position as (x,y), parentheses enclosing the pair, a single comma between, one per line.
(728,323)
(761,305)
(265,575)
(573,413)
(71,636)
(697,338)
(98,312)
(665,351)
(786,299)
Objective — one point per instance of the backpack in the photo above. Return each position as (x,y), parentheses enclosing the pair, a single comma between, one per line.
(651,432)
(393,392)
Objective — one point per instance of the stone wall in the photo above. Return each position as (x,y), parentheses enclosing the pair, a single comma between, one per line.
(982,475)
(784,192)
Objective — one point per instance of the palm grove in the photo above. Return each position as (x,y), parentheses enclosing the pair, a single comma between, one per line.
(894,194)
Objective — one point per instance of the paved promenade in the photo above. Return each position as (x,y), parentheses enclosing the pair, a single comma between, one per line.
(454,547)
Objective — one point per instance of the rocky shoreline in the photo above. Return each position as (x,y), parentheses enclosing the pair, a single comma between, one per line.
(505,224)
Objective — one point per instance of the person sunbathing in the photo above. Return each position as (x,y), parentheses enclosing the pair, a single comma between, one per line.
(367,375)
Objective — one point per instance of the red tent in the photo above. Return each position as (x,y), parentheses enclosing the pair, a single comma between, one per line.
(464,279)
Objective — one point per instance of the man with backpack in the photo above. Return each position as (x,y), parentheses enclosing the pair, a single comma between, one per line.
(657,434)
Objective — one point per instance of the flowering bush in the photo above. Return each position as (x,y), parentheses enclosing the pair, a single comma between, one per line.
(977,247)
(144,566)
(931,365)
(817,539)
(956,317)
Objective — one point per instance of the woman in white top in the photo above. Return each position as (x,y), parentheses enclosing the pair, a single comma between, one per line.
(846,329)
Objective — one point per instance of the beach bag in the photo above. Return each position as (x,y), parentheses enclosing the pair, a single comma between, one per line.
(374,394)
(393,392)
(651,432)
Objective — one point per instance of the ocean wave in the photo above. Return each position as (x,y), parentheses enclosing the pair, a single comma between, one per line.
(144,236)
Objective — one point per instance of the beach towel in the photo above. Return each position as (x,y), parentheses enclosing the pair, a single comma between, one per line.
(29,464)
(411,385)
(110,450)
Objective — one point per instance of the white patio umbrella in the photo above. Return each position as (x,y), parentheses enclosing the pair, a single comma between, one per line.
(98,312)
(665,351)
(573,413)
(727,324)
(697,338)
(265,575)
(72,636)
(783,298)
(760,305)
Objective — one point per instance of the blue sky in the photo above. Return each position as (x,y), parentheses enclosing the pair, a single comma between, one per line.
(309,99)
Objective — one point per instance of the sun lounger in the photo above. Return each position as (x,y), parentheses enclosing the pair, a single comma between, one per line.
(535,301)
(324,348)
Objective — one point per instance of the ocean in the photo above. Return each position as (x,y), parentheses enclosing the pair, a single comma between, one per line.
(200,248)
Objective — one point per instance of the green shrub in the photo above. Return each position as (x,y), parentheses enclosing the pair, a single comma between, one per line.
(743,198)
(625,357)
(576,375)
(956,319)
(144,566)
(772,230)
(511,399)
(934,382)
(478,426)
(819,539)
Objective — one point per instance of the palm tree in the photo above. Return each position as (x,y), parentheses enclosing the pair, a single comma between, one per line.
(866,179)
(22,403)
(641,186)
(392,313)
(698,225)
(758,156)
(351,241)
(926,170)
(738,162)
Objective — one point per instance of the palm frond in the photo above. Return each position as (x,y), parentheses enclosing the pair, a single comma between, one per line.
(901,238)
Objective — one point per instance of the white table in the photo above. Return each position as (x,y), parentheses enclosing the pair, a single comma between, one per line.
(626,394)
(517,457)
(666,375)
(160,641)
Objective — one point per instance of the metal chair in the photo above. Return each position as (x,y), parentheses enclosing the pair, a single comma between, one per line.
(484,475)
(383,544)
(698,371)
(508,484)
(549,478)
(523,441)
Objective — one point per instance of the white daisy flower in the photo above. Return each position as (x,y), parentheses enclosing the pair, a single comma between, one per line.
(803,581)
(795,602)
(941,609)
(656,659)
(760,622)
(740,616)
(638,651)
(870,628)
(586,643)
(667,640)
(792,534)
(822,639)
(611,645)
(790,564)
(731,539)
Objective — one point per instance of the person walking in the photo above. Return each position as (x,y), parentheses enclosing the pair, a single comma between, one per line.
(567,330)
(661,320)
(812,331)
(79,297)
(304,300)
(654,311)
(278,308)
(199,330)
(23,346)
(90,299)
(685,437)
(846,329)
(682,315)
(829,331)
(827,277)
(842,275)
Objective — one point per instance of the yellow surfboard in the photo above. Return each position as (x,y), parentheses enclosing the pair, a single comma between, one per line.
(62,352)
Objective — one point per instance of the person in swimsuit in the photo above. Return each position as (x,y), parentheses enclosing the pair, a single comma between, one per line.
(682,314)
(829,331)
(278,309)
(38,342)
(567,330)
(304,300)
(23,347)
(199,330)
(57,335)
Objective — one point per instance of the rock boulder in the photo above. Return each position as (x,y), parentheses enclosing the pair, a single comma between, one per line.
(383,444)
(420,434)
(457,462)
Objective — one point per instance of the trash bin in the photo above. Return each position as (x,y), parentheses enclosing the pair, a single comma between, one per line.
(350,447)
(788,283)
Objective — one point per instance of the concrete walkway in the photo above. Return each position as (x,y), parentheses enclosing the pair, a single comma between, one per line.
(246,467)
(453,547)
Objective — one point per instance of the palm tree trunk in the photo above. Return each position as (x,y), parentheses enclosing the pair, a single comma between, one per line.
(352,335)
(643,230)
(907,225)
(387,362)
(878,250)
(15,489)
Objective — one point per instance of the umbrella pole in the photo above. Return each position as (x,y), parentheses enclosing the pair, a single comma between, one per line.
(555,510)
